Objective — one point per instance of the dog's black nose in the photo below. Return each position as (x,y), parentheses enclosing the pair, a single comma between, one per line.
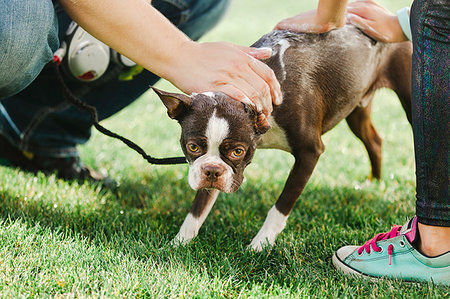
(212,172)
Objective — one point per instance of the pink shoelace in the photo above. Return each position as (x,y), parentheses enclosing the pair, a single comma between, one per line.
(395,231)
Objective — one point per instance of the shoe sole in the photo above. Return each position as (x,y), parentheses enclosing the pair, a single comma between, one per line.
(345,269)
(342,267)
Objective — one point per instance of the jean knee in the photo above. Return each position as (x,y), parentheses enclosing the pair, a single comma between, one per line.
(29,35)
(205,8)
(203,16)
(193,17)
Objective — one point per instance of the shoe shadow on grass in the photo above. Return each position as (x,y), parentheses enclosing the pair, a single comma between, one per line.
(141,217)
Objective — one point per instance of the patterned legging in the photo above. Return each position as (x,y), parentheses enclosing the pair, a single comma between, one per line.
(430,21)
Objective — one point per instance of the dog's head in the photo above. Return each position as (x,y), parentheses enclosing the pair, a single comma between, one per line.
(218,137)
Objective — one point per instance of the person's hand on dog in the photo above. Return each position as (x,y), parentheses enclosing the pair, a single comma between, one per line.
(224,67)
(329,15)
(376,21)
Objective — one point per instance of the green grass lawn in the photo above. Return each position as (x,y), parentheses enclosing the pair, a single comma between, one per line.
(60,238)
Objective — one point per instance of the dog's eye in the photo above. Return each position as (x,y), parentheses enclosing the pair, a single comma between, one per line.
(237,152)
(194,148)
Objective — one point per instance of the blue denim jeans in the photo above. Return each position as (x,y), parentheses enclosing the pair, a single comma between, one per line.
(33,113)
(430,24)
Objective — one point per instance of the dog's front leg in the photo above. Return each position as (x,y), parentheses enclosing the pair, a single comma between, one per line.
(305,161)
(203,202)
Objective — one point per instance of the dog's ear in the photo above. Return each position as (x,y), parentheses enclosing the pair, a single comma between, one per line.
(261,124)
(176,103)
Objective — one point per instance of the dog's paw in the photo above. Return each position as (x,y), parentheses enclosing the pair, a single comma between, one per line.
(176,242)
(179,241)
(188,231)
(258,244)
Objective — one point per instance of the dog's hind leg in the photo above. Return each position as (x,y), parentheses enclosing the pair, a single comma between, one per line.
(360,122)
(203,202)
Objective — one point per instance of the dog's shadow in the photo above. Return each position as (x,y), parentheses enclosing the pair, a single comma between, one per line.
(143,216)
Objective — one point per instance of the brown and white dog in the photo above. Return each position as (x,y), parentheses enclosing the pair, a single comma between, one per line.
(324,79)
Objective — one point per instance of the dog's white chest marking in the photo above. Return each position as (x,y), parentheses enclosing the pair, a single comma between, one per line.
(274,138)
(216,131)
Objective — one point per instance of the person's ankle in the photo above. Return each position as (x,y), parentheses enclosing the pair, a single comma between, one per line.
(434,240)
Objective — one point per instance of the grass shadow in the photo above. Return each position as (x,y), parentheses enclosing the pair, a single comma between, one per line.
(142,216)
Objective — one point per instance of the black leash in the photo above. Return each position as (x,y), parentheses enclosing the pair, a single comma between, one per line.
(94,117)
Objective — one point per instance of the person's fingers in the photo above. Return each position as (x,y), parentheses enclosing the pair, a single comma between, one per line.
(258,53)
(300,22)
(309,22)
(294,25)
(362,3)
(368,9)
(265,73)
(357,21)
(266,84)
(360,10)
(273,87)
(238,94)
(259,93)
(251,89)
(256,89)
(367,26)
(282,25)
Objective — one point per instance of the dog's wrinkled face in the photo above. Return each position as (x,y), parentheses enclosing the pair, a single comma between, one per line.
(218,137)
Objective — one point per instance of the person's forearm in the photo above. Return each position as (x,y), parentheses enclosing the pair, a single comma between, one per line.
(137,30)
(133,28)
(332,12)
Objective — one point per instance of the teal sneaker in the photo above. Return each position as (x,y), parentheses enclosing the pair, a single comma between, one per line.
(392,255)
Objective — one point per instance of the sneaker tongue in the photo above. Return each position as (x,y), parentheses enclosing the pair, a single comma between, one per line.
(410,229)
